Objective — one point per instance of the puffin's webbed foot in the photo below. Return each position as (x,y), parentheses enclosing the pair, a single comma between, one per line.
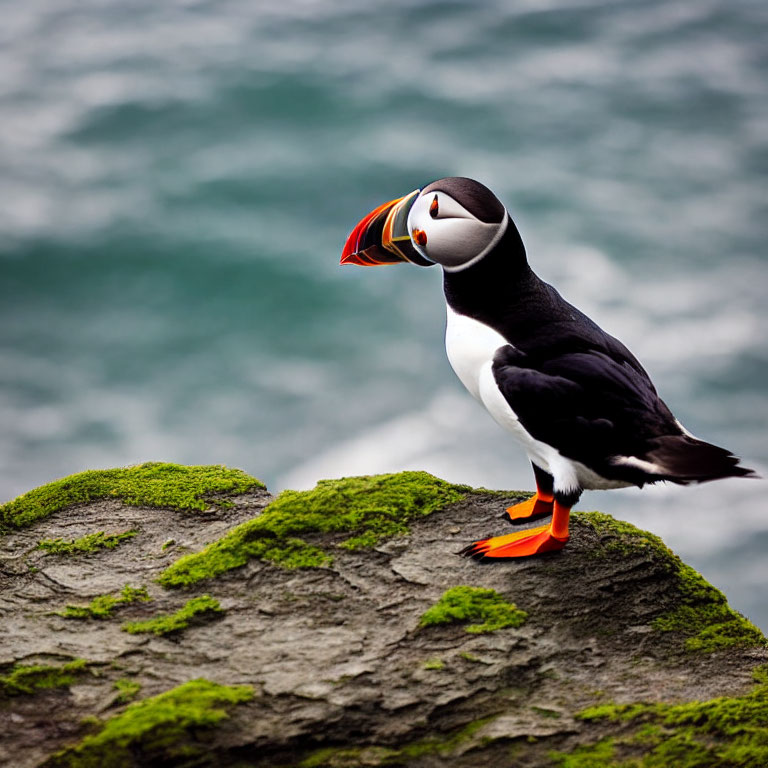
(531,541)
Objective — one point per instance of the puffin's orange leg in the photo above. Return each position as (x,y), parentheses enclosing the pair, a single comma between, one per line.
(531,541)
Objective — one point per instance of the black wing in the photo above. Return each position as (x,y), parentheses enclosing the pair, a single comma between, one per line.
(588,405)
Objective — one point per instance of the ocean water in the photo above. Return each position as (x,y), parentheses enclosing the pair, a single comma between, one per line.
(178,180)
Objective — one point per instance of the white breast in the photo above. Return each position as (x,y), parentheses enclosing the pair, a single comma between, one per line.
(471,346)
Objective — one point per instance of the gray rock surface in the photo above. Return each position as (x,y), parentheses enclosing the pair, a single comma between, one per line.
(335,654)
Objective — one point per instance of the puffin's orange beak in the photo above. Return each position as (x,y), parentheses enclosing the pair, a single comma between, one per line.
(382,236)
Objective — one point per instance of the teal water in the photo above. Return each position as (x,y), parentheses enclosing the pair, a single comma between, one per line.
(178,180)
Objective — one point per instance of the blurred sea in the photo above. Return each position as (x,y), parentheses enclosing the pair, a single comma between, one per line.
(178,179)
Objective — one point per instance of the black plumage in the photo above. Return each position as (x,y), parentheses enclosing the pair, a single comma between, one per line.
(572,385)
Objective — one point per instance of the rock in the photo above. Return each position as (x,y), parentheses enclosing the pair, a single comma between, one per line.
(309,648)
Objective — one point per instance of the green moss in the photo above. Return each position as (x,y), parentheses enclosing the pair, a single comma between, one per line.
(91,542)
(544,712)
(348,757)
(353,757)
(474,604)
(147,485)
(726,732)
(436,664)
(198,607)
(160,728)
(127,690)
(369,509)
(619,536)
(443,745)
(703,615)
(103,606)
(28,679)
(599,755)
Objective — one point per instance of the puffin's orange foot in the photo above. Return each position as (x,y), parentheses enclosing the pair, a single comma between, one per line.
(528,510)
(532,541)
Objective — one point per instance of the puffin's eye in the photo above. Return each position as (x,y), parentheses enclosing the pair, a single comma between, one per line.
(434,208)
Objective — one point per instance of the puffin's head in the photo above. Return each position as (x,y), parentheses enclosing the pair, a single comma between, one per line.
(453,222)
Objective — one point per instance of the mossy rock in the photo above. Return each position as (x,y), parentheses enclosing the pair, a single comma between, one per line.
(361,636)
(104,606)
(162,728)
(91,542)
(485,607)
(27,679)
(702,614)
(152,484)
(359,512)
(203,608)
(724,732)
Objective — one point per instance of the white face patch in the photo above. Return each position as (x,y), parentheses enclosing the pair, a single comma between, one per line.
(452,236)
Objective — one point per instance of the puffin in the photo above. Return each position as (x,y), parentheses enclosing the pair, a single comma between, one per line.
(577,400)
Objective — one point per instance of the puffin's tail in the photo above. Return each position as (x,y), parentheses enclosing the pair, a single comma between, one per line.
(683,459)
